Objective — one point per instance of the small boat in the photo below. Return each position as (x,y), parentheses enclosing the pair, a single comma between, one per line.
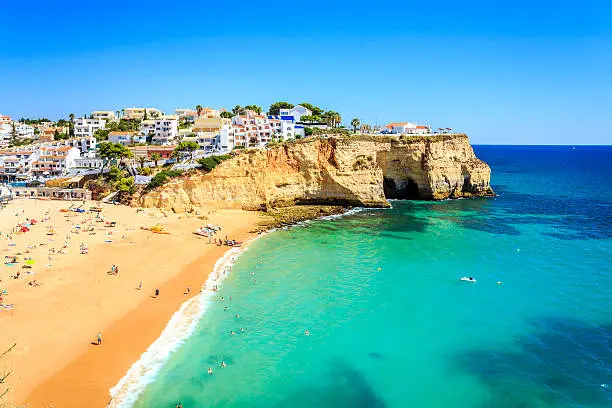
(468,279)
(606,387)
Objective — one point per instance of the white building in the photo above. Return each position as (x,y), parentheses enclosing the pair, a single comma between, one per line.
(55,161)
(24,131)
(166,130)
(87,127)
(83,144)
(17,164)
(252,130)
(89,161)
(147,126)
(126,138)
(296,112)
(405,128)
(108,116)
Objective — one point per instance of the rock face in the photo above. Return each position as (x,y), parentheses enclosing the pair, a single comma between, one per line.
(352,171)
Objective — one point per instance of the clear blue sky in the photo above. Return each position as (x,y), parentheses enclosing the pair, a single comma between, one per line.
(509,72)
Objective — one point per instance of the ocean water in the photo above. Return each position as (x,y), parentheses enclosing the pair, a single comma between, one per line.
(390,323)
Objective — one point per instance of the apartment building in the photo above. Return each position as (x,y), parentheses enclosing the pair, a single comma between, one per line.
(16,164)
(87,127)
(166,130)
(54,161)
(24,131)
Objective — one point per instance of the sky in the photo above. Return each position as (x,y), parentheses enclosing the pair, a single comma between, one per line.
(504,72)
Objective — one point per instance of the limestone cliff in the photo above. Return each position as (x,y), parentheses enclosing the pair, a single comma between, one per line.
(356,171)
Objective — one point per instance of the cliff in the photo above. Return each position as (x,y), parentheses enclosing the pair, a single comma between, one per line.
(352,171)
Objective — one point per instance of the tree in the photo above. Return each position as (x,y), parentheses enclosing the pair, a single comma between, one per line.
(145,117)
(355,124)
(71,128)
(141,161)
(333,119)
(111,152)
(277,106)
(156,157)
(226,115)
(187,147)
(238,110)
(14,140)
(199,109)
(316,111)
(254,108)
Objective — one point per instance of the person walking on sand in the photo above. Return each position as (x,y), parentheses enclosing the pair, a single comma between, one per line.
(99,338)
(139,285)
(156,292)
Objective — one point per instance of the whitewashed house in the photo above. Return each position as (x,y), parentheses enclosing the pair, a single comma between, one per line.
(87,127)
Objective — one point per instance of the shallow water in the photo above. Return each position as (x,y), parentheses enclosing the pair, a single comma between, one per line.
(390,323)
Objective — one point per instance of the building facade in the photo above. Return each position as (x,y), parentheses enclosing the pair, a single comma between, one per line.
(166,130)
(87,127)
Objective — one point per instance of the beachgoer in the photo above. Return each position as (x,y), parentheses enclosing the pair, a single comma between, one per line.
(223,365)
(222,298)
(99,338)
(156,292)
(139,285)
(225,308)
(232,332)
(210,371)
(237,316)
(306,333)
(242,329)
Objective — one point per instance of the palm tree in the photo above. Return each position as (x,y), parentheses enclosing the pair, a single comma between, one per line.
(199,109)
(156,157)
(355,124)
(141,161)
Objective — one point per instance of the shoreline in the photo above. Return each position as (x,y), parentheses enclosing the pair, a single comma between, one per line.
(56,362)
(178,330)
(107,376)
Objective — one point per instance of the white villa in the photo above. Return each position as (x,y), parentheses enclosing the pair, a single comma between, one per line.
(405,128)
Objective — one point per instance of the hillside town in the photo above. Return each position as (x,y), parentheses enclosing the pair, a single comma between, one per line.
(68,152)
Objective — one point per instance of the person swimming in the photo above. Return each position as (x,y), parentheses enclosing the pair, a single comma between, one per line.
(223,365)
(306,333)
(210,371)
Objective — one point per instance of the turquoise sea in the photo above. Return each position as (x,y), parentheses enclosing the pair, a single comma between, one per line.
(391,324)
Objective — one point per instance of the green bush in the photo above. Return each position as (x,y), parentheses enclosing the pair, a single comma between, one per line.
(162,177)
(209,163)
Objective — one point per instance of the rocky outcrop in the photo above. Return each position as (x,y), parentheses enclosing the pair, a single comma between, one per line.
(351,171)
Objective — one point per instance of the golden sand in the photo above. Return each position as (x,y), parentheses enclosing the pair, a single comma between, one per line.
(55,324)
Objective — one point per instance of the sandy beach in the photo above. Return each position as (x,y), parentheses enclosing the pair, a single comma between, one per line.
(63,298)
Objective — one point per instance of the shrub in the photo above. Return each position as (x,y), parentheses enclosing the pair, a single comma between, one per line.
(210,162)
(145,171)
(162,177)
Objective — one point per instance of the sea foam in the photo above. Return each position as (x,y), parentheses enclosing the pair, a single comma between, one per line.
(180,327)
